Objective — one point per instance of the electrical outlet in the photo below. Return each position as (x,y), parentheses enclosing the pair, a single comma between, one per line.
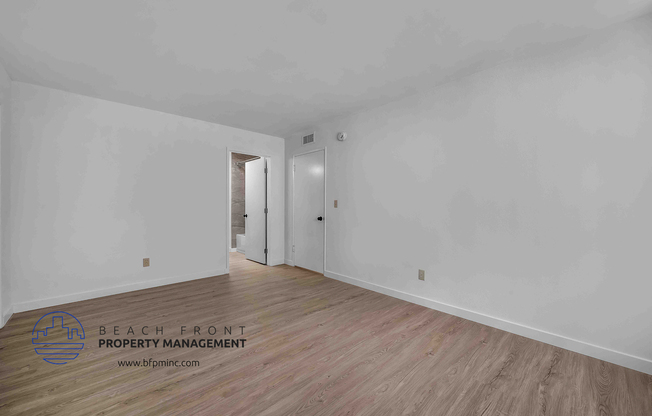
(422,274)
(146,262)
(335,204)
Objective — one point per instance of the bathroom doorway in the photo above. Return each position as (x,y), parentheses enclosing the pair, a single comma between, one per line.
(249,206)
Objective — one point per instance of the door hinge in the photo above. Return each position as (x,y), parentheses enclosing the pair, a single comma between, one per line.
(265,251)
(265,170)
(266,211)
(294,167)
(293,249)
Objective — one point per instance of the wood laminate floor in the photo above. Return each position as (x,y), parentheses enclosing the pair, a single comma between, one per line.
(315,346)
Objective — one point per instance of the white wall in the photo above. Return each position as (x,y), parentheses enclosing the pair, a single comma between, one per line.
(5,107)
(524,191)
(96,186)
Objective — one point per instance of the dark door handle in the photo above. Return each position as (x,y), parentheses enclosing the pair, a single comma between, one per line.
(320,218)
(245,215)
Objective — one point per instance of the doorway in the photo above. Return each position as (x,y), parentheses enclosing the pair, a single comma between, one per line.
(248,206)
(309,210)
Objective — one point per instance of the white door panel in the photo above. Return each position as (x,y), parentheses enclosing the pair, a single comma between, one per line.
(309,211)
(255,216)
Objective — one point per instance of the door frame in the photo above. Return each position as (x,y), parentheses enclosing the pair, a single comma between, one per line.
(294,228)
(268,161)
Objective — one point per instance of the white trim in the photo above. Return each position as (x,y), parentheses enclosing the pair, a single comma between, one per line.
(233,250)
(276,262)
(240,250)
(268,198)
(2,126)
(289,262)
(620,358)
(98,293)
(309,151)
(228,209)
(326,216)
(6,316)
(293,199)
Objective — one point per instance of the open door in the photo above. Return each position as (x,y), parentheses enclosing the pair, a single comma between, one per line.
(256,210)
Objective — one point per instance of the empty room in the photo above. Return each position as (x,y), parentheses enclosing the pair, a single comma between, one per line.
(298,207)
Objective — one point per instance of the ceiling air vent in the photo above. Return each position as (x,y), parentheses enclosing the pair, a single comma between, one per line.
(308,138)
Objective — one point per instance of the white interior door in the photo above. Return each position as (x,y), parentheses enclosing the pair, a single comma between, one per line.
(309,211)
(255,211)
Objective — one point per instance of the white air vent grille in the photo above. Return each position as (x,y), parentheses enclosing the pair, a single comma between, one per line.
(308,138)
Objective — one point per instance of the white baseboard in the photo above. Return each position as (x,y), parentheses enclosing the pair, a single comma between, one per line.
(233,250)
(98,293)
(275,262)
(595,351)
(6,316)
(289,262)
(239,250)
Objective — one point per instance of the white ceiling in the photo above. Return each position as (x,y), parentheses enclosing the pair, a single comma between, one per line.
(280,66)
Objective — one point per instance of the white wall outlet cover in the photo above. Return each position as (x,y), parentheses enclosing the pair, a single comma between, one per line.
(341,136)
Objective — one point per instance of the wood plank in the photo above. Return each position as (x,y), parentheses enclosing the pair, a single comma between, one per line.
(315,346)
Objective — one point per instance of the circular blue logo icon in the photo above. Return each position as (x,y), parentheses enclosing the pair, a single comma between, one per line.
(58,337)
